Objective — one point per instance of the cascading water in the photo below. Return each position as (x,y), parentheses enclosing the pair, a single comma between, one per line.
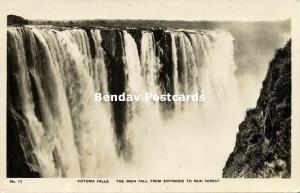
(53,74)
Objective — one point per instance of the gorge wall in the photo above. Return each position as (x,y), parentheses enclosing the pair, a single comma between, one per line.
(263,143)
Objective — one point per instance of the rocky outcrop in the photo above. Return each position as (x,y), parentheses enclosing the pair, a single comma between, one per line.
(113,46)
(19,146)
(263,143)
(16,20)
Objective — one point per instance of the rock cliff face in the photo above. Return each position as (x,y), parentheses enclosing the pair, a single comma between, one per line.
(263,143)
(18,145)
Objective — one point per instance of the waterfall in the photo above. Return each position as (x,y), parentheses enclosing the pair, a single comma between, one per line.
(56,72)
(149,62)
(62,90)
(135,83)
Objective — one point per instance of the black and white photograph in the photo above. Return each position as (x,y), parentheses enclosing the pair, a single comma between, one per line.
(145,97)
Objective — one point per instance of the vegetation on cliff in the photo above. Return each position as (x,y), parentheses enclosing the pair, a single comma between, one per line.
(263,143)
(16,20)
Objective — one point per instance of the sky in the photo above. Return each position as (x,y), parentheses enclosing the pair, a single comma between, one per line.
(241,10)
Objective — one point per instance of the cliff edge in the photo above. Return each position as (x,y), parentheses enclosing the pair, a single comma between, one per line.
(263,143)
